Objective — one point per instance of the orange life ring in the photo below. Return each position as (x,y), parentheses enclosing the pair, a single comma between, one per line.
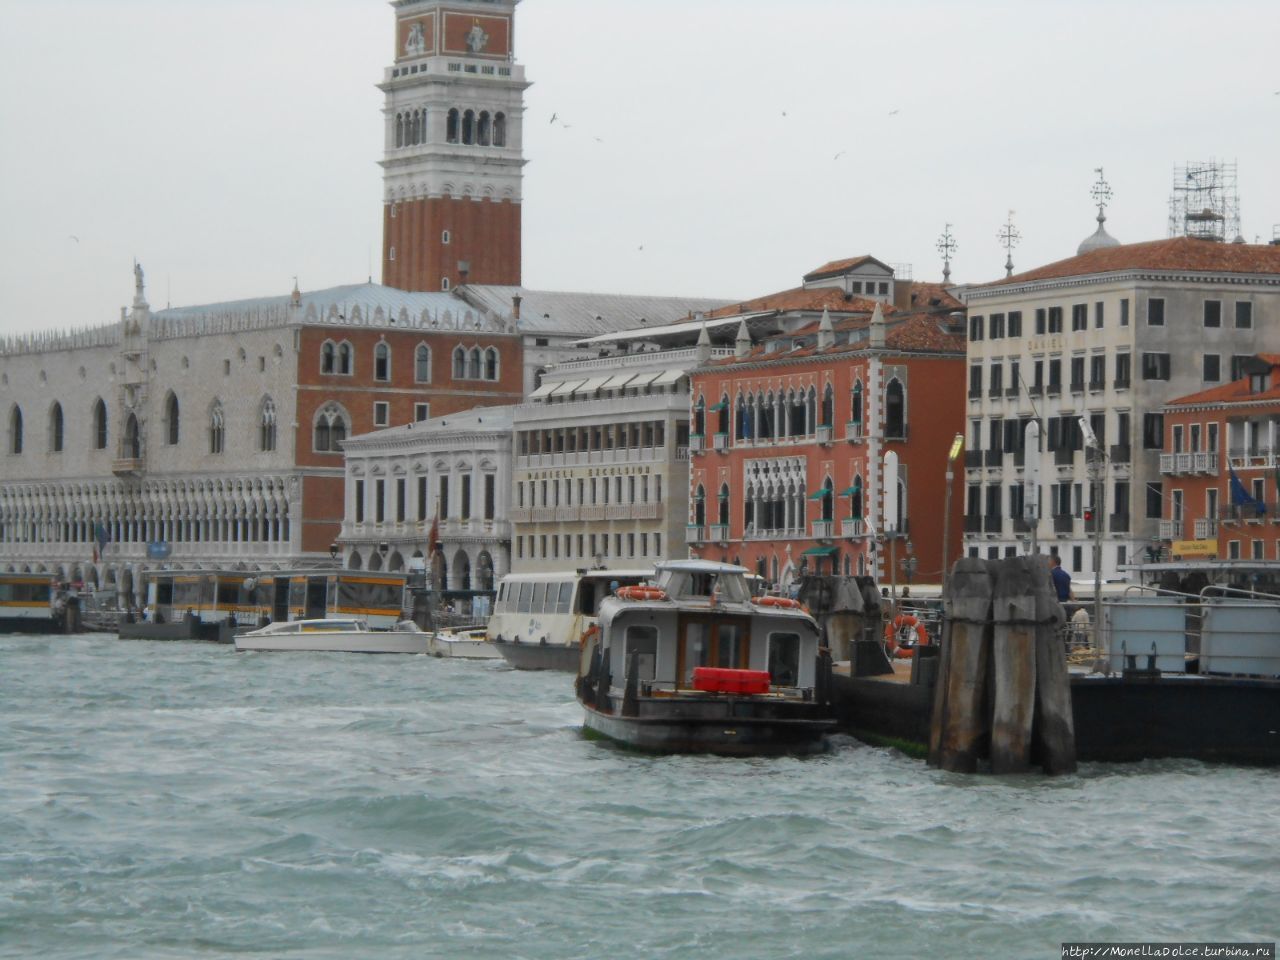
(776,602)
(587,634)
(641,593)
(893,629)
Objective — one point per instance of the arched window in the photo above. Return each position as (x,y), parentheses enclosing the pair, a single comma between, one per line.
(491,364)
(416,133)
(346,356)
(723,512)
(903,513)
(459,363)
(699,506)
(740,418)
(399,130)
(382,361)
(795,404)
(700,417)
(722,408)
(499,129)
(55,428)
(451,126)
(171,419)
(828,499)
(330,429)
(327,351)
(132,439)
(469,127)
(99,425)
(422,364)
(15,429)
(482,129)
(811,411)
(267,425)
(828,406)
(217,428)
(855,404)
(855,498)
(895,411)
(473,364)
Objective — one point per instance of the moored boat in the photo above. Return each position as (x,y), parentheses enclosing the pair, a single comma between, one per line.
(696,664)
(462,644)
(333,636)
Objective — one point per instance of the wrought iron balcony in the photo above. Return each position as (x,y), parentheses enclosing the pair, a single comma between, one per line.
(993,458)
(973,458)
(992,523)
(973,523)
(1063,523)
(1119,523)
(1064,457)
(1120,453)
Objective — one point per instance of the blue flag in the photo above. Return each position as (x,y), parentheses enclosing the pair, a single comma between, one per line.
(1240,497)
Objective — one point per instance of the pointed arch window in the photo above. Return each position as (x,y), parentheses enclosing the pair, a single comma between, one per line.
(723,513)
(895,411)
(382,362)
(491,364)
(422,364)
(699,506)
(328,361)
(499,129)
(346,356)
(811,411)
(399,130)
(828,406)
(855,403)
(217,428)
(700,417)
(828,499)
(722,408)
(55,428)
(171,420)
(459,363)
(132,445)
(473,364)
(330,429)
(99,425)
(267,426)
(15,429)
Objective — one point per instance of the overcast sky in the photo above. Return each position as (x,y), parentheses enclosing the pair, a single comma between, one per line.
(229,146)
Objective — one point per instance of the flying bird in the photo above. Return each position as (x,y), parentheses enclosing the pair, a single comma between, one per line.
(892,112)
(75,238)
(553,117)
(839,155)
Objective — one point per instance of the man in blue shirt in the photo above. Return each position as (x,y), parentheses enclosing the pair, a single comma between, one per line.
(1061,579)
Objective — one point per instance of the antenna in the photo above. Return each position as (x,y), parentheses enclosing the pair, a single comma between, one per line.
(1009,238)
(946,247)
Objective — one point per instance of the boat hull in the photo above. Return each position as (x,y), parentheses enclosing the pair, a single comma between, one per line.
(540,656)
(731,727)
(463,649)
(184,629)
(370,642)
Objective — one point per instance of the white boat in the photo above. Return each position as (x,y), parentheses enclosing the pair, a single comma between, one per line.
(463,644)
(335,636)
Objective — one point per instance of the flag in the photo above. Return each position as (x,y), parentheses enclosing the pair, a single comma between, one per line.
(1240,497)
(433,538)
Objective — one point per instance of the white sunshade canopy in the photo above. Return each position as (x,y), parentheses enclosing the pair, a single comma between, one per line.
(618,381)
(567,388)
(667,377)
(643,380)
(546,388)
(591,386)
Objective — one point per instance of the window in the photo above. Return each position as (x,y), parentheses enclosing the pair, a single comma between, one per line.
(217,428)
(1079,316)
(382,362)
(422,364)
(1155,501)
(1098,314)
(381,413)
(1153,431)
(466,496)
(975,328)
(422,499)
(474,364)
(391,254)
(379,501)
(1055,319)
(1213,313)
(1237,365)
(15,429)
(975,380)
(1155,366)
(267,426)
(997,326)
(1040,321)
(1123,370)
(442,499)
(459,363)
(55,428)
(1097,371)
(445,237)
(345,356)
(1077,374)
(359,505)
(1155,312)
(328,354)
(1124,312)
(1015,323)
(99,425)
(895,411)
(400,499)
(421,411)
(490,499)
(1244,315)
(226,368)
(997,379)
(1212,368)
(1055,376)
(444,283)
(330,429)
(491,364)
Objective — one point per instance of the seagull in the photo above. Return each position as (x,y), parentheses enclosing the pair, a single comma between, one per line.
(784,113)
(75,238)
(839,155)
(641,247)
(892,112)
(598,140)
(553,117)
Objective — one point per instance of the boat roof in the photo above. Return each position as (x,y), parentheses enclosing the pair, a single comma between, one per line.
(579,574)
(700,566)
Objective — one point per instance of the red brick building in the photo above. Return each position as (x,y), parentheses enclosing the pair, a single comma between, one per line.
(1212,439)
(788,437)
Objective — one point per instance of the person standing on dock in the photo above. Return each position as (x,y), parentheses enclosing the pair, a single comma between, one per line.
(1061,579)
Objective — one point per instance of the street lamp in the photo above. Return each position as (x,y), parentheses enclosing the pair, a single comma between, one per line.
(956,446)
(333,551)
(910,562)
(1097,476)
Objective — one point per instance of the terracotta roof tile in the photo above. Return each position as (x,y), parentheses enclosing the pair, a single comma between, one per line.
(933,295)
(1178,253)
(798,298)
(1237,390)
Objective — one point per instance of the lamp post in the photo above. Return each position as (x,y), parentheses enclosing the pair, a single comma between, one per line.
(333,551)
(1097,476)
(1031,481)
(956,446)
(890,520)
(910,562)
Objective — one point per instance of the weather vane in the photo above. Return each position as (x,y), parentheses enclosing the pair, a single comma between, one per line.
(1101,193)
(1009,238)
(946,247)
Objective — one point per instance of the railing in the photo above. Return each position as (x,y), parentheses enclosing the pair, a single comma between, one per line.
(1168,462)
(695,534)
(1235,512)
(993,458)
(127,466)
(973,459)
(1064,457)
(1205,463)
(1253,459)
(1120,453)
(995,391)
(571,458)
(975,394)
(695,443)
(594,512)
(719,532)
(1121,383)
(1097,385)
(519,514)
(853,431)
(1077,386)
(1063,523)
(1020,458)
(1170,529)
(1091,523)
(822,529)
(851,527)
(900,434)
(1206,528)
(992,523)
(567,514)
(721,442)
(1053,389)
(824,433)
(1035,390)
(972,523)
(682,453)
(1021,525)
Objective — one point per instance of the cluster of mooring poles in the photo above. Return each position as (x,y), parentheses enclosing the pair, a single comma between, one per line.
(1002,692)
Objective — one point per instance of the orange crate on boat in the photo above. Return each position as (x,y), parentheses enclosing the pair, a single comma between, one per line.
(724,680)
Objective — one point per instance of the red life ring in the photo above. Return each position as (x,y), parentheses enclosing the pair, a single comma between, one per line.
(893,629)
(641,593)
(587,634)
(776,602)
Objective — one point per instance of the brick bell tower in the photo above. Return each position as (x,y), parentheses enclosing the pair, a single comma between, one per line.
(453,161)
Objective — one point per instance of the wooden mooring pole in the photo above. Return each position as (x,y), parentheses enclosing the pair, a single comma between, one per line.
(959,728)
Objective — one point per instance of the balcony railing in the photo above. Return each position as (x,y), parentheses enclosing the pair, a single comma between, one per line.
(1021,525)
(721,442)
(1019,458)
(1168,462)
(1120,453)
(973,459)
(1036,389)
(1097,385)
(853,431)
(822,529)
(695,443)
(975,394)
(995,391)
(1063,523)
(1170,529)
(972,523)
(693,533)
(128,466)
(719,532)
(1053,389)
(1011,391)
(1064,457)
(1121,384)
(823,431)
(853,527)
(993,458)
(992,523)
(1205,463)
(1245,459)
(1077,386)
(1206,528)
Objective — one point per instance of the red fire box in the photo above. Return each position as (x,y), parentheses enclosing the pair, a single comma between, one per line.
(724,680)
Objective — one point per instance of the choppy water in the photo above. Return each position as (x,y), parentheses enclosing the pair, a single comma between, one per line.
(179,800)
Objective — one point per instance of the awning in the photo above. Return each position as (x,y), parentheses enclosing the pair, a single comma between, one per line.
(618,381)
(851,491)
(722,405)
(591,386)
(820,493)
(567,388)
(642,380)
(819,551)
(545,389)
(667,377)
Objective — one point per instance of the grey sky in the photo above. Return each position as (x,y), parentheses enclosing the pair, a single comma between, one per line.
(232,145)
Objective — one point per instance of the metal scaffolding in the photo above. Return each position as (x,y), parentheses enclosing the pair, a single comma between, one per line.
(1205,201)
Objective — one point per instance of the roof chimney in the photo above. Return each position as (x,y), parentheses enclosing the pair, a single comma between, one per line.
(515,306)
(877,328)
(826,332)
(742,342)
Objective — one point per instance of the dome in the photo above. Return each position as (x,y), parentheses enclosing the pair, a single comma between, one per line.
(1098,239)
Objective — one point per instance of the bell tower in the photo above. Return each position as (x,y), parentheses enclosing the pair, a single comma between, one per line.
(453,160)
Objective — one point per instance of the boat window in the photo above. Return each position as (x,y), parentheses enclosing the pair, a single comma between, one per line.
(164,592)
(731,648)
(566,592)
(697,650)
(587,592)
(730,587)
(642,639)
(19,591)
(784,659)
(356,595)
(539,597)
(526,598)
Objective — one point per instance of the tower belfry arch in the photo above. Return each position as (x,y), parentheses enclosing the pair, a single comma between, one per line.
(453,155)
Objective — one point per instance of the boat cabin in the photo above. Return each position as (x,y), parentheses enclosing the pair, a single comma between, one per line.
(555,607)
(210,596)
(376,598)
(26,596)
(703,614)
